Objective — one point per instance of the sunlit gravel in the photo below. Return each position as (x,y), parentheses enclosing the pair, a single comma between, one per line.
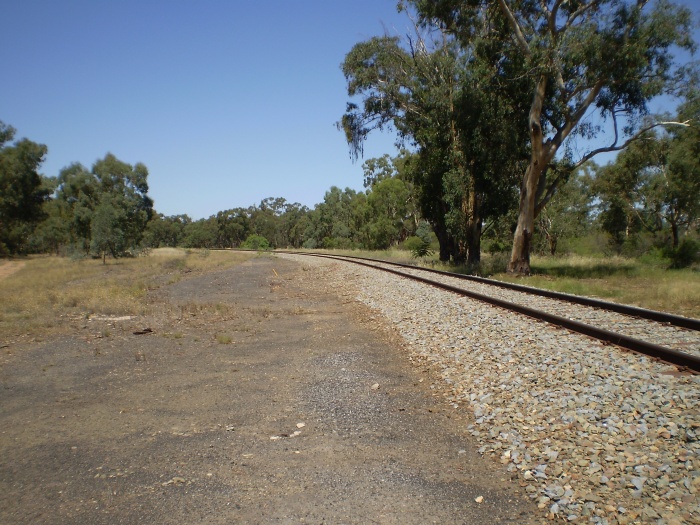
(593,434)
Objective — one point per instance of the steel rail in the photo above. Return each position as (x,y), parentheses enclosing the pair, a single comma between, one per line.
(633,311)
(663,353)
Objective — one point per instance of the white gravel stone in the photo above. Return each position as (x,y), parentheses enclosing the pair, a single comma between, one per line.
(594,433)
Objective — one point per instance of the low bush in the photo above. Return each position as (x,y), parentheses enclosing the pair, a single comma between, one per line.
(256,242)
(686,255)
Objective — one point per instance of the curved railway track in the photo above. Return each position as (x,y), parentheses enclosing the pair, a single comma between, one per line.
(667,337)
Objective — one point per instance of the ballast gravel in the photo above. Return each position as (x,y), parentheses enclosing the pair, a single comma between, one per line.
(663,334)
(593,434)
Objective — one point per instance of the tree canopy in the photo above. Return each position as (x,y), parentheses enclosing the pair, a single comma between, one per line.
(591,58)
(23,191)
(444,102)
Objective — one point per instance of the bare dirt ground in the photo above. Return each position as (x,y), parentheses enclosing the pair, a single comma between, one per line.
(257,397)
(7,268)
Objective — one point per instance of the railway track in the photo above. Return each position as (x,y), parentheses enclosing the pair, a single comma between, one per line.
(670,338)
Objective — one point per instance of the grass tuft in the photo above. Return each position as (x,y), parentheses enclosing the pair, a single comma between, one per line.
(224,339)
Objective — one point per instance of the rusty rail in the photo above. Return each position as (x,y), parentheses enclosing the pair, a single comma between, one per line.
(675,357)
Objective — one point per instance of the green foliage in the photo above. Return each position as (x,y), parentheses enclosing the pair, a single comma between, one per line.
(602,57)
(22,191)
(106,209)
(106,231)
(201,234)
(124,189)
(448,106)
(337,221)
(567,215)
(413,243)
(233,227)
(256,242)
(162,231)
(652,190)
(685,255)
(497,246)
(420,248)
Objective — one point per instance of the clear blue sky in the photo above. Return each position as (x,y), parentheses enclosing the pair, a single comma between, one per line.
(225,102)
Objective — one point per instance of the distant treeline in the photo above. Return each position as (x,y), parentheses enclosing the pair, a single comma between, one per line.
(626,207)
(490,99)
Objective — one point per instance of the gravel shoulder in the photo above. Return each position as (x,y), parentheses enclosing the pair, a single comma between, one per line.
(594,434)
(261,394)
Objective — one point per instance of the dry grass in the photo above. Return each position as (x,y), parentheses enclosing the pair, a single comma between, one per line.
(224,339)
(45,294)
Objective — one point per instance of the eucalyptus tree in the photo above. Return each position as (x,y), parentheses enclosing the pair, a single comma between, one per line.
(202,233)
(444,101)
(411,90)
(585,58)
(78,195)
(22,190)
(291,225)
(166,231)
(125,207)
(338,221)
(233,227)
(677,184)
(108,207)
(387,203)
(655,183)
(391,213)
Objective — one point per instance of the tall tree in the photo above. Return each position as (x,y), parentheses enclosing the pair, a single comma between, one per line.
(166,231)
(590,57)
(444,101)
(110,184)
(107,234)
(233,226)
(124,188)
(413,90)
(655,183)
(677,183)
(22,191)
(78,195)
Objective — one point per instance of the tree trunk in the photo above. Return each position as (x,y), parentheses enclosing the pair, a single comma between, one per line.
(474,242)
(459,252)
(541,156)
(674,234)
(445,240)
(474,225)
(522,239)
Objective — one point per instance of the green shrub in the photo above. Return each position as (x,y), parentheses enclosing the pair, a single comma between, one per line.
(420,248)
(310,244)
(256,242)
(412,243)
(687,254)
(497,246)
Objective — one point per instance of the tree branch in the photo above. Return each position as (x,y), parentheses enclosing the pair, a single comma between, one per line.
(520,37)
(574,119)
(579,12)
(636,136)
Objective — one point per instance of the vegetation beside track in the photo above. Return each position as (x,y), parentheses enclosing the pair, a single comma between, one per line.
(48,291)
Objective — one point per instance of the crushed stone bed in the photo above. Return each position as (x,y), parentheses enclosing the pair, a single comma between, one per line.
(594,434)
(663,334)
